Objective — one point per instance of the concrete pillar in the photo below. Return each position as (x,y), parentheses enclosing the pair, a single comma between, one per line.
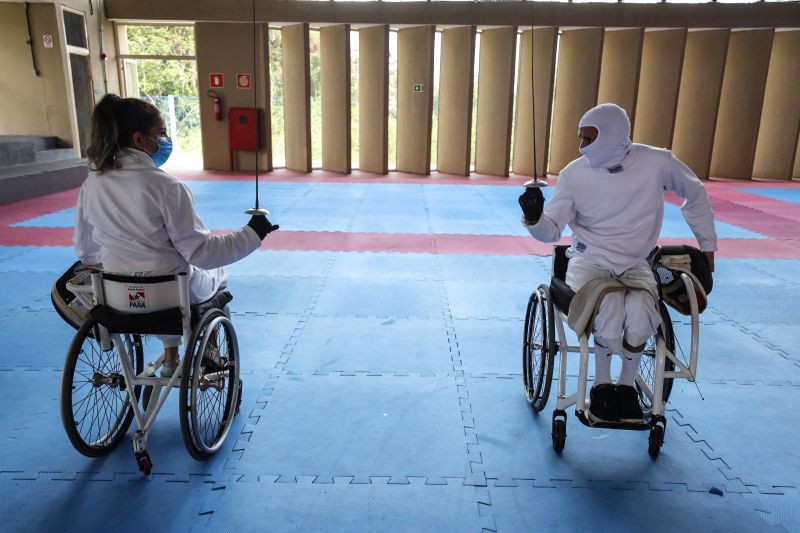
(296,99)
(619,69)
(780,116)
(373,99)
(455,100)
(414,98)
(335,89)
(523,155)
(577,79)
(741,103)
(495,101)
(660,77)
(698,98)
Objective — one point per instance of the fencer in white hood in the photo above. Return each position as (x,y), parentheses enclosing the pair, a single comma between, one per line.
(612,197)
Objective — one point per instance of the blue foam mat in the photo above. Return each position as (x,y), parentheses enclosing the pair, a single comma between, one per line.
(783,194)
(397,298)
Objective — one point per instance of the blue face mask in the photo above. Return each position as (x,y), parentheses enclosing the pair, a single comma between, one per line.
(161,155)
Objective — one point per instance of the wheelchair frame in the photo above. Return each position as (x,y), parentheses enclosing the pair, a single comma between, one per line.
(651,398)
(189,380)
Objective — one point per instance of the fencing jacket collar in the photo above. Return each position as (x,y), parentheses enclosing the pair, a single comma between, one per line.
(613,137)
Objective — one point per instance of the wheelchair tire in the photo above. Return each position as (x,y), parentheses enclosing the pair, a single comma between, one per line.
(538,348)
(95,404)
(559,435)
(647,366)
(209,388)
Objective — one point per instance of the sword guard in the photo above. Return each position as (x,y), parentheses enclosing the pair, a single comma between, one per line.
(257,211)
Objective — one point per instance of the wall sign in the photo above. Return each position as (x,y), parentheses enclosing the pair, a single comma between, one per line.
(216,80)
(243,80)
(47,40)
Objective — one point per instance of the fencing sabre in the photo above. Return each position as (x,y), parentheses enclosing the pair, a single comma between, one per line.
(256,210)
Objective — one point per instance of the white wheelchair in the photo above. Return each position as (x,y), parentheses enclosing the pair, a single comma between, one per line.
(684,281)
(104,376)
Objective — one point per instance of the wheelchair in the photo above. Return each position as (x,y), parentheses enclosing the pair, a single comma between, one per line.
(682,286)
(104,376)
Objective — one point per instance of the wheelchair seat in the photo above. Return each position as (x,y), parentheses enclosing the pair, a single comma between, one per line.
(560,292)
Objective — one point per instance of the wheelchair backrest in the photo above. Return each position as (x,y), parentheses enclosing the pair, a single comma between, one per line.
(140,294)
(560,261)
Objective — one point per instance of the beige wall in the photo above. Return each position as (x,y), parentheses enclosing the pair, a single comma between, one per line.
(495,101)
(414,67)
(576,86)
(43,105)
(698,98)
(660,77)
(741,103)
(780,116)
(455,100)
(227,48)
(335,89)
(373,99)
(619,69)
(296,97)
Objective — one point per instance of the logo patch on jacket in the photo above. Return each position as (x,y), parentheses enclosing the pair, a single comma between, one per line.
(137,298)
(580,246)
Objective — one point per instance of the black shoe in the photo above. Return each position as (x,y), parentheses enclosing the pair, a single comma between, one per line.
(628,407)
(603,403)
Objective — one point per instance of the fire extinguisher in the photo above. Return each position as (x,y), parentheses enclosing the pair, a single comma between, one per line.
(217,104)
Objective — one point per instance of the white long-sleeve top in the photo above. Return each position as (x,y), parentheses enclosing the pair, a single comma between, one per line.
(138,218)
(616,217)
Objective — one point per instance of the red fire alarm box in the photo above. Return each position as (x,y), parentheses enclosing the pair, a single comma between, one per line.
(242,129)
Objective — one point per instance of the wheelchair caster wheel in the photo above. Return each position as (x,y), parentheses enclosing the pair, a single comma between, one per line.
(655,441)
(145,464)
(559,435)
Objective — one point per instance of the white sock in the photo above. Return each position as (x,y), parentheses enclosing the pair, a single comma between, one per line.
(602,364)
(630,365)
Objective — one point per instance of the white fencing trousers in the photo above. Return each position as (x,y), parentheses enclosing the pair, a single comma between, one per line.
(632,314)
(203,284)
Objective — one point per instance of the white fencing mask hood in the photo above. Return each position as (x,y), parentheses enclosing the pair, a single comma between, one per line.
(613,136)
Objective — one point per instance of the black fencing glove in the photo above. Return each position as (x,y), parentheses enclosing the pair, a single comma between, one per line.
(261,225)
(532,204)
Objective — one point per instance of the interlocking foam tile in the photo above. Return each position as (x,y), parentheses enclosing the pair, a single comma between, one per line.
(727,353)
(339,425)
(386,266)
(751,427)
(488,346)
(781,510)
(9,252)
(515,443)
(341,507)
(285,264)
(398,298)
(262,339)
(784,195)
(118,504)
(33,439)
(526,508)
(64,218)
(386,224)
(745,295)
(40,339)
(787,270)
(26,290)
(675,226)
(261,295)
(379,345)
(40,259)
(523,268)
(782,337)
(488,299)
(479,226)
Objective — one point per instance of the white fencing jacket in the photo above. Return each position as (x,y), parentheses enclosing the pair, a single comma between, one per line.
(138,218)
(616,217)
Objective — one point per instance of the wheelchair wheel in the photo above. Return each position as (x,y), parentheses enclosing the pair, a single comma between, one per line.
(209,389)
(95,404)
(647,366)
(538,349)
